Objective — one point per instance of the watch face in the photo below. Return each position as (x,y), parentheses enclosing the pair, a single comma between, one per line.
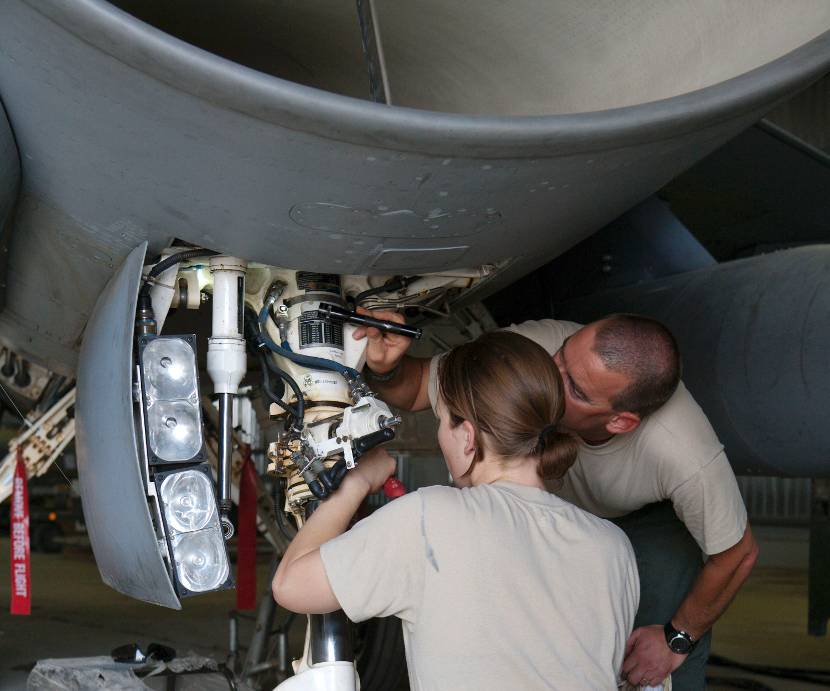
(680,644)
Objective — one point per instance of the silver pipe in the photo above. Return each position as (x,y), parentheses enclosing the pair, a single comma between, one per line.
(331,638)
(262,629)
(282,651)
(233,644)
(225,451)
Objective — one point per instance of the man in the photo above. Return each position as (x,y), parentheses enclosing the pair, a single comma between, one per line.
(647,457)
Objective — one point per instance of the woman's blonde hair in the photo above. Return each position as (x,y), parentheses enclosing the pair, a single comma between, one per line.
(510,390)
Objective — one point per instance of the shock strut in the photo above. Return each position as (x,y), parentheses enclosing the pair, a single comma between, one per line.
(226,364)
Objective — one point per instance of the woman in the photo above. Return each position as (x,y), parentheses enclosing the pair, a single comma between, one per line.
(499,584)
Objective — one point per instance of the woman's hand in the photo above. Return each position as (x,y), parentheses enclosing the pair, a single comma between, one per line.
(373,468)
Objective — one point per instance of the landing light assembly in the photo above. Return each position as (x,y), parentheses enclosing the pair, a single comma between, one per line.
(194,538)
(188,514)
(170,399)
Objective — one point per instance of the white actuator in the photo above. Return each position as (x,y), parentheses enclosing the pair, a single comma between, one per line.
(226,362)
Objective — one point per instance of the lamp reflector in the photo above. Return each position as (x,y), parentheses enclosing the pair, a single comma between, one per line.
(174,431)
(188,501)
(169,369)
(200,558)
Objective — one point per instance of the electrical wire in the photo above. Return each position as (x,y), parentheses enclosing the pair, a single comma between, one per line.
(435,295)
(295,387)
(172,260)
(229,677)
(287,530)
(819,677)
(388,287)
(271,394)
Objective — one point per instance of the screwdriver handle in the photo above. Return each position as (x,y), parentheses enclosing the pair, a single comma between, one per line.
(343,315)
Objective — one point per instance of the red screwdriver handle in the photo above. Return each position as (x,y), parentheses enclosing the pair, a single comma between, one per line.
(393,488)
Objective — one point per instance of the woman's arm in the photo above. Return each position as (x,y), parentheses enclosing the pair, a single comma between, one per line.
(301,584)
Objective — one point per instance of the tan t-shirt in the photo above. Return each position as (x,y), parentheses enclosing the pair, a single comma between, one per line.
(499,587)
(673,454)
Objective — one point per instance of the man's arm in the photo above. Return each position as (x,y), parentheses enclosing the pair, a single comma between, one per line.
(720,579)
(385,353)
(300,583)
(647,654)
(409,388)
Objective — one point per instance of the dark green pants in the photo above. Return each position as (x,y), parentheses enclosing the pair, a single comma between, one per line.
(668,560)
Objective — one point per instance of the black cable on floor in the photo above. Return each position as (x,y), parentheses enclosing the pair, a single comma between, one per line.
(229,677)
(738,683)
(819,677)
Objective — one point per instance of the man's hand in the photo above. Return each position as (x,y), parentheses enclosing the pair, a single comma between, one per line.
(384,350)
(374,468)
(648,658)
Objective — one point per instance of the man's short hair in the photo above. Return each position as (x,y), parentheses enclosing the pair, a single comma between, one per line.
(646,352)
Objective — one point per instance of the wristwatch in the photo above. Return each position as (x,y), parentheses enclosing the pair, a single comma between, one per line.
(680,642)
(374,376)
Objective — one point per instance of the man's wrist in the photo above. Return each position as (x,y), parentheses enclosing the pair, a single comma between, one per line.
(679,640)
(371,375)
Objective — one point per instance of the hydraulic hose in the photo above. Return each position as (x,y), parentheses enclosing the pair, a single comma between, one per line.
(303,360)
(255,343)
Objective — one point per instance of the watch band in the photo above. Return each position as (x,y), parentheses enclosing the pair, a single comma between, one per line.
(389,376)
(680,642)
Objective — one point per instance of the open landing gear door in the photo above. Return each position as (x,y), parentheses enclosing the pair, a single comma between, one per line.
(113,486)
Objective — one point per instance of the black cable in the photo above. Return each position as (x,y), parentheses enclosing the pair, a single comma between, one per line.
(813,676)
(737,683)
(287,530)
(269,392)
(295,387)
(388,287)
(172,260)
(145,319)
(229,677)
(326,480)
(337,472)
(317,489)
(332,477)
(341,472)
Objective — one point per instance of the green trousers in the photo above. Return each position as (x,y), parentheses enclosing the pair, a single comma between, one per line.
(668,560)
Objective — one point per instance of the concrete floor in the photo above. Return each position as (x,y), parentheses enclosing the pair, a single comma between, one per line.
(75,615)
(767,622)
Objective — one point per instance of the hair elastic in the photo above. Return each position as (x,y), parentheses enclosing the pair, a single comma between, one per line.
(544,433)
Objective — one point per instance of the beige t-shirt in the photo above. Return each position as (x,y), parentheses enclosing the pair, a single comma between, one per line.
(673,454)
(499,587)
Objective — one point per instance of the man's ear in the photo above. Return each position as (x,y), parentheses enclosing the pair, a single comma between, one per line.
(621,423)
(469,437)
